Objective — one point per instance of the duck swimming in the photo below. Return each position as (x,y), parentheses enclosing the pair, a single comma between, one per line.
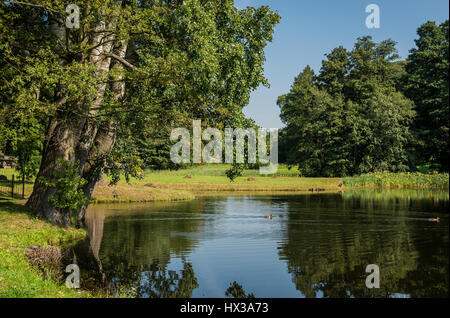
(436,219)
(268,216)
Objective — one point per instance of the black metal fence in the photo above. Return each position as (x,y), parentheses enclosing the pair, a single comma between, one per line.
(12,186)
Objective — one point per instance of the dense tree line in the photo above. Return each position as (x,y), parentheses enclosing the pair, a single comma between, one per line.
(367,111)
(426,83)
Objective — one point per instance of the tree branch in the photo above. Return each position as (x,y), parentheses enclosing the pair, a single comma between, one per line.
(124,62)
(39,6)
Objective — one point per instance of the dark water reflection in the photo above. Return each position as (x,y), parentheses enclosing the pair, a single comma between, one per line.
(317,245)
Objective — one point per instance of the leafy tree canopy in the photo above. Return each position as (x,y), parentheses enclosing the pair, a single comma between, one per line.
(426,83)
(350,118)
(131,65)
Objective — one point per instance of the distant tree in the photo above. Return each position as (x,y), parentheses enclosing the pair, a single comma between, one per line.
(283,145)
(21,136)
(235,171)
(25,140)
(314,122)
(427,84)
(350,118)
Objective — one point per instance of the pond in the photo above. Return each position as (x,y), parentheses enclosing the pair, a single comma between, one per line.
(316,245)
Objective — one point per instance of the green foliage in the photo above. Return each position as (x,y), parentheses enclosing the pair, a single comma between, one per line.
(196,59)
(426,82)
(209,57)
(428,168)
(235,171)
(121,162)
(69,186)
(350,118)
(401,180)
(23,139)
(27,147)
(4,132)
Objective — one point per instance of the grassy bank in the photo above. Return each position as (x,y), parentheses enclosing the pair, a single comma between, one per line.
(399,180)
(138,192)
(18,230)
(186,184)
(208,179)
(201,180)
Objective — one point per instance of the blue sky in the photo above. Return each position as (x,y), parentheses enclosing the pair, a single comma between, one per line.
(311,28)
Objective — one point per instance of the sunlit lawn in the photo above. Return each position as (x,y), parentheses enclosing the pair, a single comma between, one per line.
(212,178)
(170,185)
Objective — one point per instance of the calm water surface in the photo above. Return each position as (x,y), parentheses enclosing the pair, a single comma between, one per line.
(316,245)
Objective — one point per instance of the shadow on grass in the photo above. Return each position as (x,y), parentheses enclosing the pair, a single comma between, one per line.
(12,206)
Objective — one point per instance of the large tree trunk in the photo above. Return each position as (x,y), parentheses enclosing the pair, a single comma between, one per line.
(76,138)
(62,136)
(93,168)
(103,142)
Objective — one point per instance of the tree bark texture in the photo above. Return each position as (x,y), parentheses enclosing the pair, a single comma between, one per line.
(79,138)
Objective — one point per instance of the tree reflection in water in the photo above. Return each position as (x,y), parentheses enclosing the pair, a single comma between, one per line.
(324,242)
(331,262)
(132,256)
(158,282)
(237,291)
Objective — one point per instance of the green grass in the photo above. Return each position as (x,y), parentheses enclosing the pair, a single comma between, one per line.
(8,172)
(18,230)
(219,170)
(211,178)
(172,185)
(138,192)
(399,180)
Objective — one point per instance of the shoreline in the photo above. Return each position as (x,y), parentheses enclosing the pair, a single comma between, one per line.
(188,184)
(19,229)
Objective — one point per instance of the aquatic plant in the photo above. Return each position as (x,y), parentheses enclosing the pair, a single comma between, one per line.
(399,180)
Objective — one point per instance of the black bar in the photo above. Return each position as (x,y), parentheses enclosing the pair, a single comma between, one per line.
(225,307)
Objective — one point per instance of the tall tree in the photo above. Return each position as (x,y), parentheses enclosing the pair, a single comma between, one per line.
(350,118)
(427,84)
(314,122)
(128,59)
